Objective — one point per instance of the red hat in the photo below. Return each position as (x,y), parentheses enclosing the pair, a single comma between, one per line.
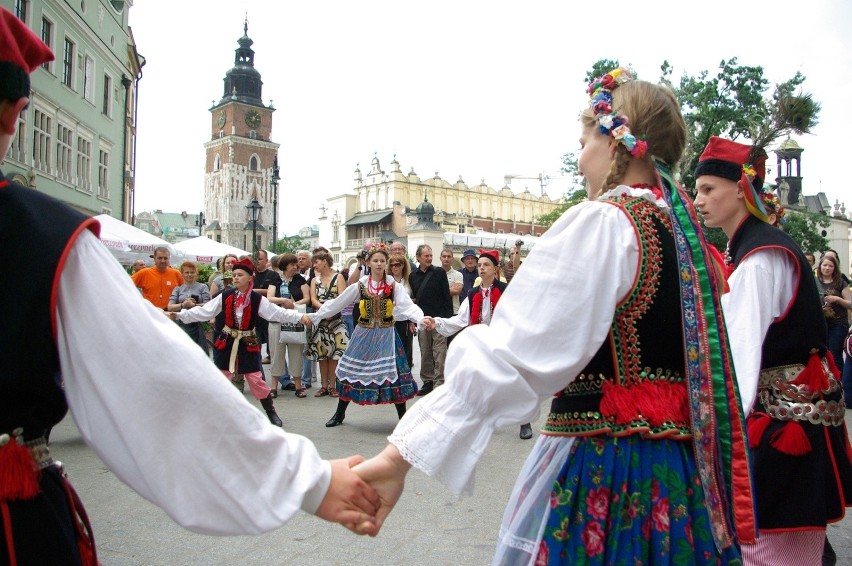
(21,52)
(725,158)
(246,264)
(737,162)
(493,255)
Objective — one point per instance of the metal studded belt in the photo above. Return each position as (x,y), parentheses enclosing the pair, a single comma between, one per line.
(37,447)
(787,401)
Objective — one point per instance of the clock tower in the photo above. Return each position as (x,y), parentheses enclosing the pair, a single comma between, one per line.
(240,156)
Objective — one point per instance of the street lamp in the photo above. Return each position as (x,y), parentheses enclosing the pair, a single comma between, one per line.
(254,209)
(275,179)
(200,222)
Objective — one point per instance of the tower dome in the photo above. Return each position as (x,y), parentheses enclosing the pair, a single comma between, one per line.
(242,82)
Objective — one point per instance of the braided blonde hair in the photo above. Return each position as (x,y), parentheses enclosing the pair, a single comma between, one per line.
(654,115)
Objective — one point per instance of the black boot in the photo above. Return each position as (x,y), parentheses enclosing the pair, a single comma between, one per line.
(526,431)
(339,414)
(426,389)
(270,410)
(400,409)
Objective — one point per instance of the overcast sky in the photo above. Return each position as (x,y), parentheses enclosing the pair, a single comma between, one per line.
(477,89)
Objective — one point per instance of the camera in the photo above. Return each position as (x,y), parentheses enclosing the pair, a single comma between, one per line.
(196,298)
(363,254)
(519,243)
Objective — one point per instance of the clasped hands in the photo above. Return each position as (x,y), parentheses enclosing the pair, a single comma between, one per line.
(363,492)
(428,323)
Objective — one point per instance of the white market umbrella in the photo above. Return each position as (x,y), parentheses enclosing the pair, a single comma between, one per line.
(204,250)
(128,243)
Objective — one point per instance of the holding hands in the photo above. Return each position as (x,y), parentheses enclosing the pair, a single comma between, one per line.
(428,323)
(385,473)
(307,320)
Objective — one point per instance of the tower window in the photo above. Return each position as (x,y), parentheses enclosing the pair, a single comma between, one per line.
(217,163)
(253,163)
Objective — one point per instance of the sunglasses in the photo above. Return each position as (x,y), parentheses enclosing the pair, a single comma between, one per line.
(395,264)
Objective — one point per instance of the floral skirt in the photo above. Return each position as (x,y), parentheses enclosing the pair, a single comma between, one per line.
(327,340)
(374,369)
(628,500)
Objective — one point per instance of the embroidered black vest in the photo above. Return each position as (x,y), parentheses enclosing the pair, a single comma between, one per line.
(36,227)
(789,340)
(635,382)
(248,357)
(375,309)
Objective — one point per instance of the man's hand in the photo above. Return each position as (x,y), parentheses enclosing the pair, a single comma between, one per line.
(428,323)
(349,500)
(385,473)
(306,320)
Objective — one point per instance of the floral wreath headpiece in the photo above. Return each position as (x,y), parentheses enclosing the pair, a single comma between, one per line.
(773,206)
(612,123)
(378,247)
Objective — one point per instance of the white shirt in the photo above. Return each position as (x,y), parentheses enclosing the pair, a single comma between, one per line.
(163,418)
(761,290)
(403,307)
(549,325)
(267,310)
(455,276)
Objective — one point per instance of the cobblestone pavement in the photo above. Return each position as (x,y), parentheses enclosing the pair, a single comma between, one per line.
(428,527)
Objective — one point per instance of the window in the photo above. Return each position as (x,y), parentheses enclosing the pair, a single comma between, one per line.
(107,107)
(103,175)
(253,134)
(18,149)
(64,153)
(21,8)
(68,63)
(84,164)
(253,163)
(217,163)
(42,127)
(88,78)
(47,38)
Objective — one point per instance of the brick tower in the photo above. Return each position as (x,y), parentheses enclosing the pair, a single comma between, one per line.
(239,156)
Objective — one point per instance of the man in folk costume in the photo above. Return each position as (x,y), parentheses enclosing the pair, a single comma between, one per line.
(67,352)
(236,344)
(788,380)
(477,307)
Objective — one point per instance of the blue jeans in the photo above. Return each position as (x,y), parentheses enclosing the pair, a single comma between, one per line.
(836,336)
(847,379)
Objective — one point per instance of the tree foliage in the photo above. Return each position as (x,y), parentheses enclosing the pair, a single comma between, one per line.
(289,245)
(806,230)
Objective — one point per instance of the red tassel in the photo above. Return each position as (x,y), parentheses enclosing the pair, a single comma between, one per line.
(616,402)
(814,376)
(791,439)
(757,425)
(18,473)
(831,365)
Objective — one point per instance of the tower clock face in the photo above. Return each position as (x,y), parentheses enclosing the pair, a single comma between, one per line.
(221,118)
(252,119)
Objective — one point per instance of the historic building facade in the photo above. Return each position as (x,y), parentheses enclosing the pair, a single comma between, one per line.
(76,140)
(240,157)
(381,206)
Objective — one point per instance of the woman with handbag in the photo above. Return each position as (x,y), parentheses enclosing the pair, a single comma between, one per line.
(373,369)
(328,340)
(836,304)
(287,341)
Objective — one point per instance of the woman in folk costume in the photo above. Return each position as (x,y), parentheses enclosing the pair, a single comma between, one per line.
(643,453)
(478,307)
(374,368)
(788,379)
(236,347)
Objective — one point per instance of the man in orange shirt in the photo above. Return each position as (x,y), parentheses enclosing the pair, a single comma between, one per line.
(157,282)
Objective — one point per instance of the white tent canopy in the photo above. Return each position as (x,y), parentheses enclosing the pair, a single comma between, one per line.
(128,243)
(204,250)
